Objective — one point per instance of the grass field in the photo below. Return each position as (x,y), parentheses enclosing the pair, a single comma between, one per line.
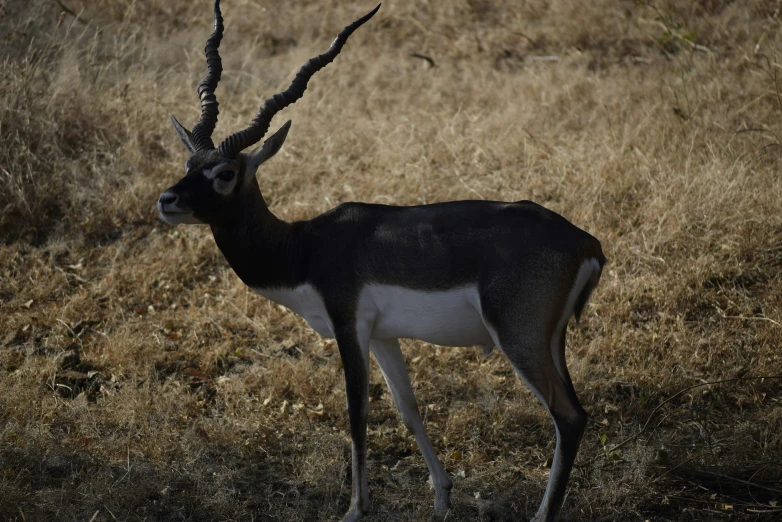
(140,380)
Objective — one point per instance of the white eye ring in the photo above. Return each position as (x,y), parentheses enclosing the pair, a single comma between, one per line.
(224,186)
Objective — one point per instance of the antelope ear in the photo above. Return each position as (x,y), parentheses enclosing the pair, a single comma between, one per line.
(185,136)
(269,148)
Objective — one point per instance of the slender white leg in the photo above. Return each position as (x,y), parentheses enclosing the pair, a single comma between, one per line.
(392,364)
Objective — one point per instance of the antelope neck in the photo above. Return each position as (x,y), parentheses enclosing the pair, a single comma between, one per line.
(261,248)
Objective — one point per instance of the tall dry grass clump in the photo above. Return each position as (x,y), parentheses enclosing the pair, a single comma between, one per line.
(141,380)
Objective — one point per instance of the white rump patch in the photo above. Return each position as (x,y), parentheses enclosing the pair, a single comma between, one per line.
(587,269)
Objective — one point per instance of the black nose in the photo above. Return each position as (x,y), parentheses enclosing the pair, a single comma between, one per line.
(168,198)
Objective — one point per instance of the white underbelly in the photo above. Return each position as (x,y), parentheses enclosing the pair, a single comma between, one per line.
(446,317)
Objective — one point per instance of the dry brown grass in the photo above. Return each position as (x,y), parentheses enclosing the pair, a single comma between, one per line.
(141,381)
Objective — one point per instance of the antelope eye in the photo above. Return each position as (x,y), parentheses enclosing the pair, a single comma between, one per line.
(226,175)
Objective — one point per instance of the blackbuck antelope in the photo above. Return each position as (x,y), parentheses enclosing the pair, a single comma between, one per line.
(461,273)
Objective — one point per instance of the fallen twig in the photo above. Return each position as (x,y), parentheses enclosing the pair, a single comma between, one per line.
(677,394)
(77,16)
(679,37)
(740,481)
(428,59)
(749,317)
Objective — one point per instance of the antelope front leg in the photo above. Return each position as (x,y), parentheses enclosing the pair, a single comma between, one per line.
(392,363)
(355,361)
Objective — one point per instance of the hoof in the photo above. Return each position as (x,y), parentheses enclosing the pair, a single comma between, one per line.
(442,503)
(354,513)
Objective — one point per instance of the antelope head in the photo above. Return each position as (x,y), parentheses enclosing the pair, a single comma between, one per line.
(216,178)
